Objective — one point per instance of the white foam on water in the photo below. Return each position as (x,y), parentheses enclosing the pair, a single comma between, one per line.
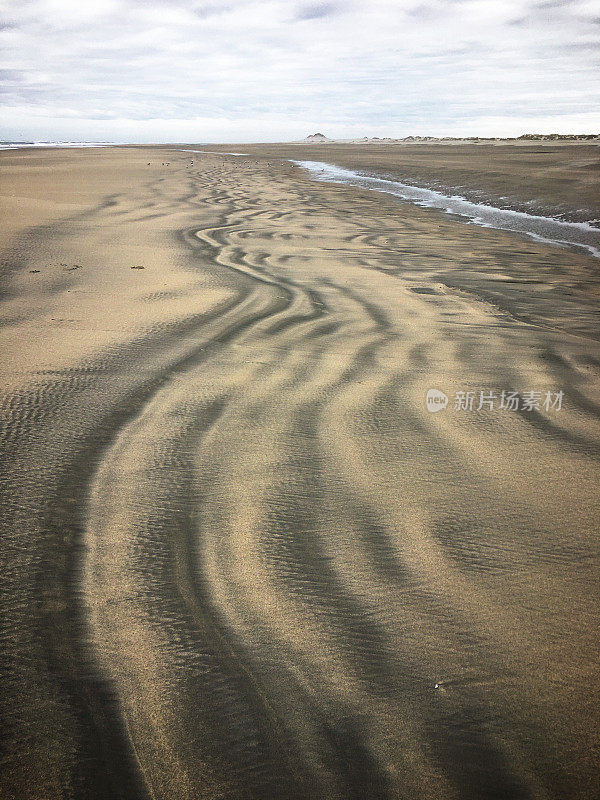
(544,229)
(21,145)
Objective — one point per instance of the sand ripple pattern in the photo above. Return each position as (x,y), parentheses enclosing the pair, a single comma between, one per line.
(285,578)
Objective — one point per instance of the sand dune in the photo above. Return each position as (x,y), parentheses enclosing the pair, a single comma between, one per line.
(242,559)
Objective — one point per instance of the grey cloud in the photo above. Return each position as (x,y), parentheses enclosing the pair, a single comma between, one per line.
(554,4)
(211,10)
(423,11)
(317,11)
(10,75)
(584,47)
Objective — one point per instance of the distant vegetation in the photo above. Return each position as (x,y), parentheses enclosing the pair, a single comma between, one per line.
(545,137)
(533,137)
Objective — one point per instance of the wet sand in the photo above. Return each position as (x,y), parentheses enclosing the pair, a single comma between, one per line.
(240,557)
(554,179)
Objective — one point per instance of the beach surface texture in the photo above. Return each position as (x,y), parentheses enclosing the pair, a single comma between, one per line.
(249,552)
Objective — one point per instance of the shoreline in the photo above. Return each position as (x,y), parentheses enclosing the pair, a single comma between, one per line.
(551,179)
(478,196)
(472,206)
(582,236)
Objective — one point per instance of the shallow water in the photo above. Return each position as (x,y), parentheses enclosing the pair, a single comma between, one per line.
(544,229)
(74,145)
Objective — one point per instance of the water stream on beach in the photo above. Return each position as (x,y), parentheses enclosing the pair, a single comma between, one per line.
(580,235)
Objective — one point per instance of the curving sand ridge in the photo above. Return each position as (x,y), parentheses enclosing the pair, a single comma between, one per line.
(242,558)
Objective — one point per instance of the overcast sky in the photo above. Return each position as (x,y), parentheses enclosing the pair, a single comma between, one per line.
(268,70)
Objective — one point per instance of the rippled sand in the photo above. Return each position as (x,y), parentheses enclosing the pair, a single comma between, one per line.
(240,557)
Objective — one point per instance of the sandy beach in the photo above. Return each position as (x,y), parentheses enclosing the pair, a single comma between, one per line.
(241,559)
(552,178)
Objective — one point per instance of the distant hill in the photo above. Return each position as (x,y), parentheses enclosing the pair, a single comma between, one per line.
(316,137)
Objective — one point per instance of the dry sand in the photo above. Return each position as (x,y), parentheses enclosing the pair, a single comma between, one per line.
(240,557)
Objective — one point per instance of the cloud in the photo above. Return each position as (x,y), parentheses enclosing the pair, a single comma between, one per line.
(317,11)
(237,70)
